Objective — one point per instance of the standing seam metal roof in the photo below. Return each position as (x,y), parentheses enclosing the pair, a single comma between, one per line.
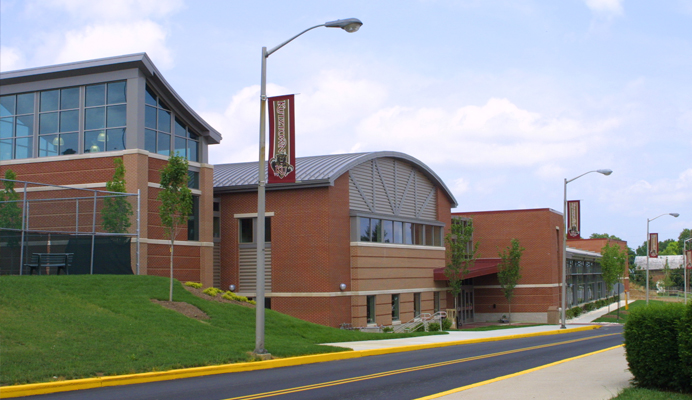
(313,171)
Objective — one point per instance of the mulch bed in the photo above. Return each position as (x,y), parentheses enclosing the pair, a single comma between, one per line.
(191,311)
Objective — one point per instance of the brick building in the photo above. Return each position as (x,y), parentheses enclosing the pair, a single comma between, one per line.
(540,232)
(65,124)
(372,223)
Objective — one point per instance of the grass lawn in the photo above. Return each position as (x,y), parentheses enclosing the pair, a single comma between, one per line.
(612,315)
(77,326)
(646,394)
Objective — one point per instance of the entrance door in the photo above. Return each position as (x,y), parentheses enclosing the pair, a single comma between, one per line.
(466,300)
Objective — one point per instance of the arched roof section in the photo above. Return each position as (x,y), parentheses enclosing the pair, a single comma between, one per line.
(313,172)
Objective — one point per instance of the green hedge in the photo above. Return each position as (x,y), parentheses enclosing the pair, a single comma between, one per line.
(685,343)
(654,346)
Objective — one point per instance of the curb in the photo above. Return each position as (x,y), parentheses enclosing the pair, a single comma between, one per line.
(106,381)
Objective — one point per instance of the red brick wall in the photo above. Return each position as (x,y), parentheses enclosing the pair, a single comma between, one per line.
(541,261)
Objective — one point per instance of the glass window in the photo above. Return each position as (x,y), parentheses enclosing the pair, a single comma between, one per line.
(398,232)
(7,105)
(46,147)
(49,100)
(95,95)
(267,229)
(6,127)
(429,235)
(387,231)
(48,123)
(192,150)
(116,92)
(95,118)
(24,148)
(68,143)
(246,230)
(116,116)
(115,139)
(416,305)
(371,309)
(408,233)
(193,180)
(150,117)
(150,140)
(395,307)
(364,229)
(6,149)
(164,120)
(69,98)
(180,128)
(376,230)
(25,125)
(180,146)
(437,236)
(94,141)
(217,227)
(417,234)
(69,121)
(163,144)
(150,97)
(25,103)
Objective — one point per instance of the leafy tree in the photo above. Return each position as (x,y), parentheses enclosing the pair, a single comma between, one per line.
(461,254)
(509,271)
(684,235)
(603,236)
(10,211)
(116,211)
(612,265)
(667,278)
(176,202)
(641,250)
(662,246)
(671,249)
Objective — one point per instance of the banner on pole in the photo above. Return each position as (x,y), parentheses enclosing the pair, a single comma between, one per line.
(688,259)
(573,222)
(282,155)
(653,245)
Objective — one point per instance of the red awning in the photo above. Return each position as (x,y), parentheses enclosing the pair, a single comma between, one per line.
(482,266)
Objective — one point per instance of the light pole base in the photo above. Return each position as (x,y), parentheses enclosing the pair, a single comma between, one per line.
(261,356)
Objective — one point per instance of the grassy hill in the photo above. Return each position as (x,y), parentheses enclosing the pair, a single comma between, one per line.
(78,326)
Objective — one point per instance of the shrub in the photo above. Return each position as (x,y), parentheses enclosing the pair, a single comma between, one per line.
(387,329)
(685,344)
(446,324)
(212,291)
(651,344)
(232,296)
(573,312)
(433,327)
(195,285)
(419,328)
(589,307)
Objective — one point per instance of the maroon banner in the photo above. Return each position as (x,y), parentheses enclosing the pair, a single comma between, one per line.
(573,222)
(653,245)
(282,155)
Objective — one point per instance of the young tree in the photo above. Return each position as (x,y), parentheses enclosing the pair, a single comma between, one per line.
(612,265)
(176,202)
(461,253)
(509,271)
(684,235)
(116,211)
(10,211)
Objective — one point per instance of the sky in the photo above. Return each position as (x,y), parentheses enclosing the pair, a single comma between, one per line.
(503,99)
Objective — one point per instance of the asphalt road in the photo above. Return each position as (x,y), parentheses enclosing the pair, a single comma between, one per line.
(406,375)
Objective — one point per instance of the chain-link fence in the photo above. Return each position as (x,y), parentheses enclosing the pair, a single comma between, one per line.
(92,229)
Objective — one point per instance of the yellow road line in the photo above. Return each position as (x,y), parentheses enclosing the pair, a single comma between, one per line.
(501,378)
(412,369)
(90,383)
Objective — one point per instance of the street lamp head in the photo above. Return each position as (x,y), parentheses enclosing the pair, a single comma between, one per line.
(350,25)
(604,171)
(675,214)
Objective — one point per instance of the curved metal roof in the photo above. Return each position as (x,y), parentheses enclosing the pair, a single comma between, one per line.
(313,171)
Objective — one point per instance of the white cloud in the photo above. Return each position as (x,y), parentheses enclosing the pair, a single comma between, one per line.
(550,171)
(109,10)
(459,186)
(605,7)
(10,59)
(497,133)
(113,39)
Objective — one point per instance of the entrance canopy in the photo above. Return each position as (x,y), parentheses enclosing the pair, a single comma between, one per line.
(482,266)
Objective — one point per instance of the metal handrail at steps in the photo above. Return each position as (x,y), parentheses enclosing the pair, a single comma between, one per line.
(423,319)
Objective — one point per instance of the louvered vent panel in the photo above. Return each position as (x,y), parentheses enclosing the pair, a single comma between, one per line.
(384,185)
(217,265)
(248,270)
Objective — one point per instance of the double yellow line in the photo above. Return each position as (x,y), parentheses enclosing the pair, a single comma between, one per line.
(405,370)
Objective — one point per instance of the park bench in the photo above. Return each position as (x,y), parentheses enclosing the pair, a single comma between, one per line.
(59,261)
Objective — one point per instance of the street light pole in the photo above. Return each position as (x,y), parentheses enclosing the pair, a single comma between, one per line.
(686,261)
(564,244)
(349,25)
(648,249)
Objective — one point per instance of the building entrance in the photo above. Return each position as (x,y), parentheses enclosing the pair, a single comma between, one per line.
(465,313)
